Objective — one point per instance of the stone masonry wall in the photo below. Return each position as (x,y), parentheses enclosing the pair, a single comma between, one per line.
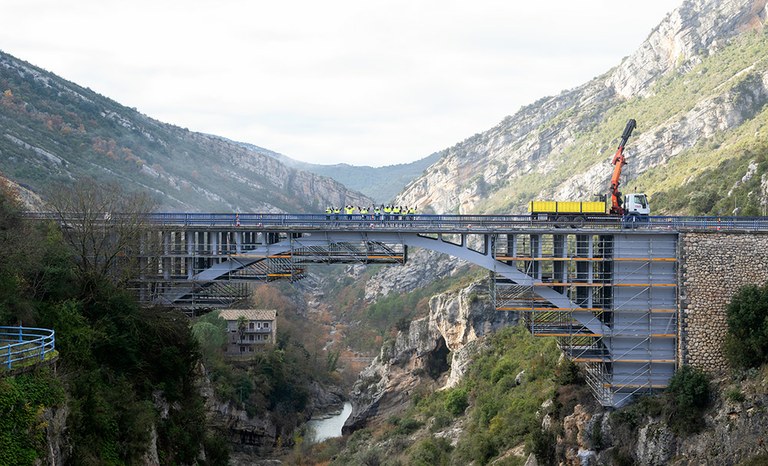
(713,266)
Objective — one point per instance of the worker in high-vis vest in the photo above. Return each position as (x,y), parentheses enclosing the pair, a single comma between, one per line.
(387,211)
(349,210)
(396,212)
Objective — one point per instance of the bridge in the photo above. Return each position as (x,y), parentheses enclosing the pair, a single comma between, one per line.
(607,288)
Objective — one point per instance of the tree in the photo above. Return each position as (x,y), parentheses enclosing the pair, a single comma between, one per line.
(20,257)
(106,227)
(688,395)
(746,344)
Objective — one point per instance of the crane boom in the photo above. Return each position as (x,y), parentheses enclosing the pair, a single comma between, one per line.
(618,163)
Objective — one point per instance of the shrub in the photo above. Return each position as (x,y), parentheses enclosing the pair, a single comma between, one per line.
(456,401)
(542,444)
(688,395)
(746,344)
(431,452)
(408,426)
(735,395)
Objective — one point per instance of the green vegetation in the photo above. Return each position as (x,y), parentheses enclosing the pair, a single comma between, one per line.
(117,361)
(682,406)
(746,344)
(23,401)
(688,395)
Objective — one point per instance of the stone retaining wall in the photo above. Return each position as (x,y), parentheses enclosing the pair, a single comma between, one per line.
(713,266)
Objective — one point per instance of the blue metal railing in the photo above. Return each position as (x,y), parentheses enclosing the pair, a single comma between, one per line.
(423,222)
(22,346)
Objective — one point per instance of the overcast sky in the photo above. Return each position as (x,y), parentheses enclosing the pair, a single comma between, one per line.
(362,82)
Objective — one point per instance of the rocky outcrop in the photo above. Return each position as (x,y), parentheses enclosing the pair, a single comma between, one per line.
(423,267)
(694,30)
(734,432)
(421,356)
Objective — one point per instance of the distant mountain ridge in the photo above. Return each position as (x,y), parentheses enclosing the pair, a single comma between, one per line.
(381,184)
(54,130)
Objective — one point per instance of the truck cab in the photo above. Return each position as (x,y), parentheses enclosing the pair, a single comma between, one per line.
(636,204)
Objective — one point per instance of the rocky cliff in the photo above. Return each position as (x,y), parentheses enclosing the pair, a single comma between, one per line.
(734,431)
(434,352)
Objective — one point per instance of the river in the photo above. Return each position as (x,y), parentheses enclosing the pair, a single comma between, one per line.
(329,426)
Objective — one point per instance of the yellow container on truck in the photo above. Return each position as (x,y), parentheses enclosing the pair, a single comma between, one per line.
(593,207)
(568,207)
(542,206)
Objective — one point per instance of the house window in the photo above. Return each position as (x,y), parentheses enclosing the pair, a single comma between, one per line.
(242,349)
(258,324)
(250,337)
(250,349)
(250,326)
(266,324)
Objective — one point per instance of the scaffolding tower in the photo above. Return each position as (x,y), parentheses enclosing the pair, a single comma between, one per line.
(622,324)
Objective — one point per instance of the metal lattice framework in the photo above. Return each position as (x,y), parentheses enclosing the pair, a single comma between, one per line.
(623,325)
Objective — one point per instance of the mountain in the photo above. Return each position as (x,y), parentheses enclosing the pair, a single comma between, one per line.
(381,184)
(52,130)
(698,88)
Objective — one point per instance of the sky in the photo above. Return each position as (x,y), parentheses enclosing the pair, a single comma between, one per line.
(335,81)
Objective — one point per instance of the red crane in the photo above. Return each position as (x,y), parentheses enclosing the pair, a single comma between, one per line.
(618,163)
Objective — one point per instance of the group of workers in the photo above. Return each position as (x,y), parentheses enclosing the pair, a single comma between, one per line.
(383,212)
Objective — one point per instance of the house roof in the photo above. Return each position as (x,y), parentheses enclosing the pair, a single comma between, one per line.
(248,314)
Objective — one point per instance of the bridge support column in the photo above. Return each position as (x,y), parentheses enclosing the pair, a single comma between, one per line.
(166,255)
(190,237)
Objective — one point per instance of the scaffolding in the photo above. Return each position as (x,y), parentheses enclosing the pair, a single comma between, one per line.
(621,326)
(206,268)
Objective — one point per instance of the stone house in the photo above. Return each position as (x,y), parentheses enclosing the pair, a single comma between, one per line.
(249,329)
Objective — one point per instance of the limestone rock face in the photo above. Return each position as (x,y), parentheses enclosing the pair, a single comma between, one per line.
(423,267)
(734,432)
(419,356)
(697,28)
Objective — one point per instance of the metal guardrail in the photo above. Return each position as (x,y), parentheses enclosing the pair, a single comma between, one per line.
(24,346)
(421,222)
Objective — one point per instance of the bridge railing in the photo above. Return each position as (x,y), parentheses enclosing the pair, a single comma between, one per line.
(423,222)
(24,346)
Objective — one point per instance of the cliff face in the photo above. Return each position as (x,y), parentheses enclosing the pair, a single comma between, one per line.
(433,352)
(559,147)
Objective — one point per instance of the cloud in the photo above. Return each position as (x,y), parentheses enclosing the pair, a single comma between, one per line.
(334,81)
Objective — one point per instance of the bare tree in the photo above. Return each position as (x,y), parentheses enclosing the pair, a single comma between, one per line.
(106,227)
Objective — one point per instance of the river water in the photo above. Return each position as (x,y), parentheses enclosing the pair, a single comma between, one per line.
(329,426)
